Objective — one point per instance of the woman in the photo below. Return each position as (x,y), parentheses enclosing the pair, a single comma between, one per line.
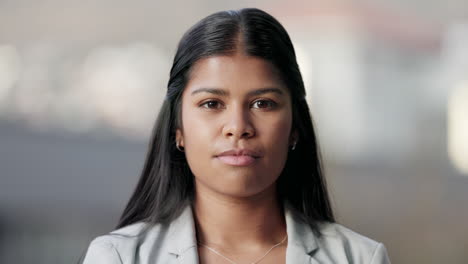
(233,173)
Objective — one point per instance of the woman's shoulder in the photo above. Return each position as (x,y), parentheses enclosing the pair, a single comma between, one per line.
(146,242)
(119,245)
(338,238)
(125,234)
(338,232)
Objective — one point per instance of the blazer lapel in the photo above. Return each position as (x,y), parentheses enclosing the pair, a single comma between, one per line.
(182,239)
(302,242)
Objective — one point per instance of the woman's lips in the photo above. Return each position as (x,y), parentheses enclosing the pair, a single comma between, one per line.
(240,160)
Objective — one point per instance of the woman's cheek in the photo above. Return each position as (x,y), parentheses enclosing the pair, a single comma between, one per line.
(198,132)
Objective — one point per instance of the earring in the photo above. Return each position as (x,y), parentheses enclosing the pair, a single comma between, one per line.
(179,147)
(294,145)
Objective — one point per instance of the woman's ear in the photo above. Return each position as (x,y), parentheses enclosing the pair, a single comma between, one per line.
(294,137)
(179,137)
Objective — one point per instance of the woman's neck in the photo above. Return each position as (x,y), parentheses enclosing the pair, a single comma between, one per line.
(239,223)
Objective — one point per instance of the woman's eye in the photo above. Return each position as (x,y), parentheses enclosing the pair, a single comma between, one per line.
(211,104)
(264,104)
(260,104)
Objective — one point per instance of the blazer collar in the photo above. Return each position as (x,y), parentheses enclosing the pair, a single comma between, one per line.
(182,238)
(302,242)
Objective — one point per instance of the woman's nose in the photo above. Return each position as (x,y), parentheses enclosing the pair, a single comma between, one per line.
(238,124)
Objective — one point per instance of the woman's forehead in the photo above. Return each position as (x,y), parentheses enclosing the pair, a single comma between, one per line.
(234,71)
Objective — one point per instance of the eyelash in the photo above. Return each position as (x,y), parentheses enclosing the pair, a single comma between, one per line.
(271,103)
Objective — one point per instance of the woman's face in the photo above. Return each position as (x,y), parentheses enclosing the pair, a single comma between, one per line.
(236,125)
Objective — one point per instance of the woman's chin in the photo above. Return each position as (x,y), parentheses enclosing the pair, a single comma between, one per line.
(238,188)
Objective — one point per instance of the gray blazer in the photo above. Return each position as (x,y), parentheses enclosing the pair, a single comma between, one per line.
(142,243)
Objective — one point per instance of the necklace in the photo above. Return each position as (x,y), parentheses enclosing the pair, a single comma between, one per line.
(232,261)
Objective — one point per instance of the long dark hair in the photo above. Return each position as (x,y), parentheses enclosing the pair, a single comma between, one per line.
(166,185)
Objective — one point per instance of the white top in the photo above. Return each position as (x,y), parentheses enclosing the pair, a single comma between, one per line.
(142,243)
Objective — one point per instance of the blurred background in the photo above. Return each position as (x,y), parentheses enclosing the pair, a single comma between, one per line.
(81,83)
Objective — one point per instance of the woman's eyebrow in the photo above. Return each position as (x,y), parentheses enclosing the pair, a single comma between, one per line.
(222,92)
